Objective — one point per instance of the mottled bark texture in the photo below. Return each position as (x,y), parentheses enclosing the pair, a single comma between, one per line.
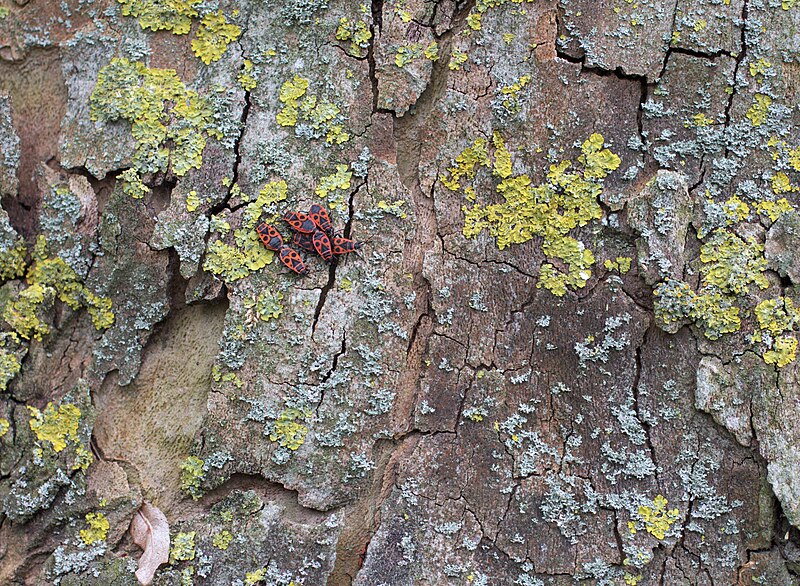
(565,352)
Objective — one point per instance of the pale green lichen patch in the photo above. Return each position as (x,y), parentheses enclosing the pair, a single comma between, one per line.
(777,318)
(157,15)
(758,112)
(169,122)
(334,186)
(55,426)
(656,519)
(732,269)
(311,116)
(192,475)
(732,264)
(97,529)
(12,350)
(356,31)
(266,305)
(246,77)
(183,547)
(214,36)
(567,200)
(288,430)
(247,254)
(50,278)
(222,540)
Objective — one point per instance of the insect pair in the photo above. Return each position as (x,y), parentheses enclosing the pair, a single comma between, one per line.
(313,232)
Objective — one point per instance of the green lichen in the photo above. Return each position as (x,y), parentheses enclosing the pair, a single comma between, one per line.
(266,305)
(621,264)
(192,475)
(12,254)
(50,278)
(395,208)
(231,263)
(213,37)
(407,53)
(97,530)
(183,547)
(11,353)
(228,377)
(253,578)
(731,267)
(156,15)
(222,539)
(336,182)
(246,76)
(657,519)
(777,319)
(247,254)
(318,116)
(287,431)
(732,264)
(509,95)
(169,123)
(56,426)
(5,425)
(714,313)
(567,200)
(457,59)
(757,113)
(357,32)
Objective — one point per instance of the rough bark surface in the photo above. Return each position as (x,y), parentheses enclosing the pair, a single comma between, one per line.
(564,353)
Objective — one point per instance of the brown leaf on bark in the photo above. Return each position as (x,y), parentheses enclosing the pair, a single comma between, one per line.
(150,531)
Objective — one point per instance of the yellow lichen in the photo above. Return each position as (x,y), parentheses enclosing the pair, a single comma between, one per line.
(457,59)
(57,426)
(321,116)
(214,36)
(658,519)
(757,113)
(338,180)
(246,78)
(97,530)
(192,475)
(5,425)
(165,137)
(156,15)
(50,278)
(253,578)
(183,548)
(355,31)
(287,431)
(567,200)
(222,539)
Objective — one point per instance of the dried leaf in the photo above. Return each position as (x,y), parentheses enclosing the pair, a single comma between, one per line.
(150,531)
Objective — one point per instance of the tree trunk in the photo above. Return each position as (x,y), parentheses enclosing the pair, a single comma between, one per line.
(555,341)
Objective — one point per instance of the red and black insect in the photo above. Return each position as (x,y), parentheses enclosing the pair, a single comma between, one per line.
(303,241)
(317,242)
(271,238)
(291,258)
(322,244)
(343,245)
(300,222)
(319,215)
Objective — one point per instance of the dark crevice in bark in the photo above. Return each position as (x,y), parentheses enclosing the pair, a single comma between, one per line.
(375,30)
(219,207)
(331,282)
(637,407)
(739,58)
